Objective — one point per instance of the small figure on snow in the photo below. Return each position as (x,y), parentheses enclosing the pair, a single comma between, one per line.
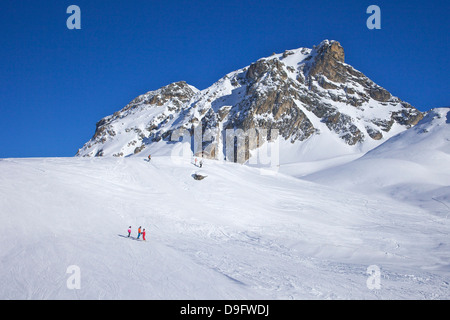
(139,232)
(143,234)
(129,231)
(195,161)
(201,163)
(149,157)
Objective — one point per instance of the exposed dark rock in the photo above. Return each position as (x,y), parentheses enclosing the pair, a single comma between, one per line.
(329,62)
(197,176)
(374,134)
(379,94)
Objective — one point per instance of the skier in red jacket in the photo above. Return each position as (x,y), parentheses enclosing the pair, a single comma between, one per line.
(143,234)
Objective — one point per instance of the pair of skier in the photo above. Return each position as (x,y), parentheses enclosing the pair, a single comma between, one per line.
(139,232)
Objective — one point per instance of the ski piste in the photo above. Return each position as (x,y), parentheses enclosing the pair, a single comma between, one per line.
(255,236)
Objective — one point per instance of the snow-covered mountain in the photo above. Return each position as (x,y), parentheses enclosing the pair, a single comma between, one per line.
(363,182)
(237,234)
(320,106)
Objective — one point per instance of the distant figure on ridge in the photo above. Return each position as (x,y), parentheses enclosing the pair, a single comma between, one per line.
(129,231)
(143,234)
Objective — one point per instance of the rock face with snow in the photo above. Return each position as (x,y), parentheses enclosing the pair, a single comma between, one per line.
(302,94)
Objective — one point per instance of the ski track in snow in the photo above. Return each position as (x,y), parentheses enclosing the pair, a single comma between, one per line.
(235,235)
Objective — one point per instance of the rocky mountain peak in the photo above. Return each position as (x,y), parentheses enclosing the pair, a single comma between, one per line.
(301,93)
(177,93)
(331,50)
(328,61)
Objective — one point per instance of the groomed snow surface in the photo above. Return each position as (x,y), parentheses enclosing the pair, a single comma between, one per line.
(240,233)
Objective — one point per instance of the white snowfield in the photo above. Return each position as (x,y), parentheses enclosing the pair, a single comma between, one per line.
(240,233)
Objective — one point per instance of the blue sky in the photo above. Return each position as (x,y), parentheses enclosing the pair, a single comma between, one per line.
(56,83)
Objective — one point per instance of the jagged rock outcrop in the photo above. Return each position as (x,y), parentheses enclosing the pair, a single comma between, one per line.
(300,93)
(164,104)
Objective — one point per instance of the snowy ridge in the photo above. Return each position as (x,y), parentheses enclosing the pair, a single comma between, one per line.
(413,166)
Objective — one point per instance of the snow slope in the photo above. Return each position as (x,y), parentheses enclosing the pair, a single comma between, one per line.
(413,166)
(237,234)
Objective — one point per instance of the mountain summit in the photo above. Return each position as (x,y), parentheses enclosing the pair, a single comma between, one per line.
(315,104)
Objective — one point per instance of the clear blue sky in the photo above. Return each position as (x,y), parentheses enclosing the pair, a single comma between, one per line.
(56,83)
